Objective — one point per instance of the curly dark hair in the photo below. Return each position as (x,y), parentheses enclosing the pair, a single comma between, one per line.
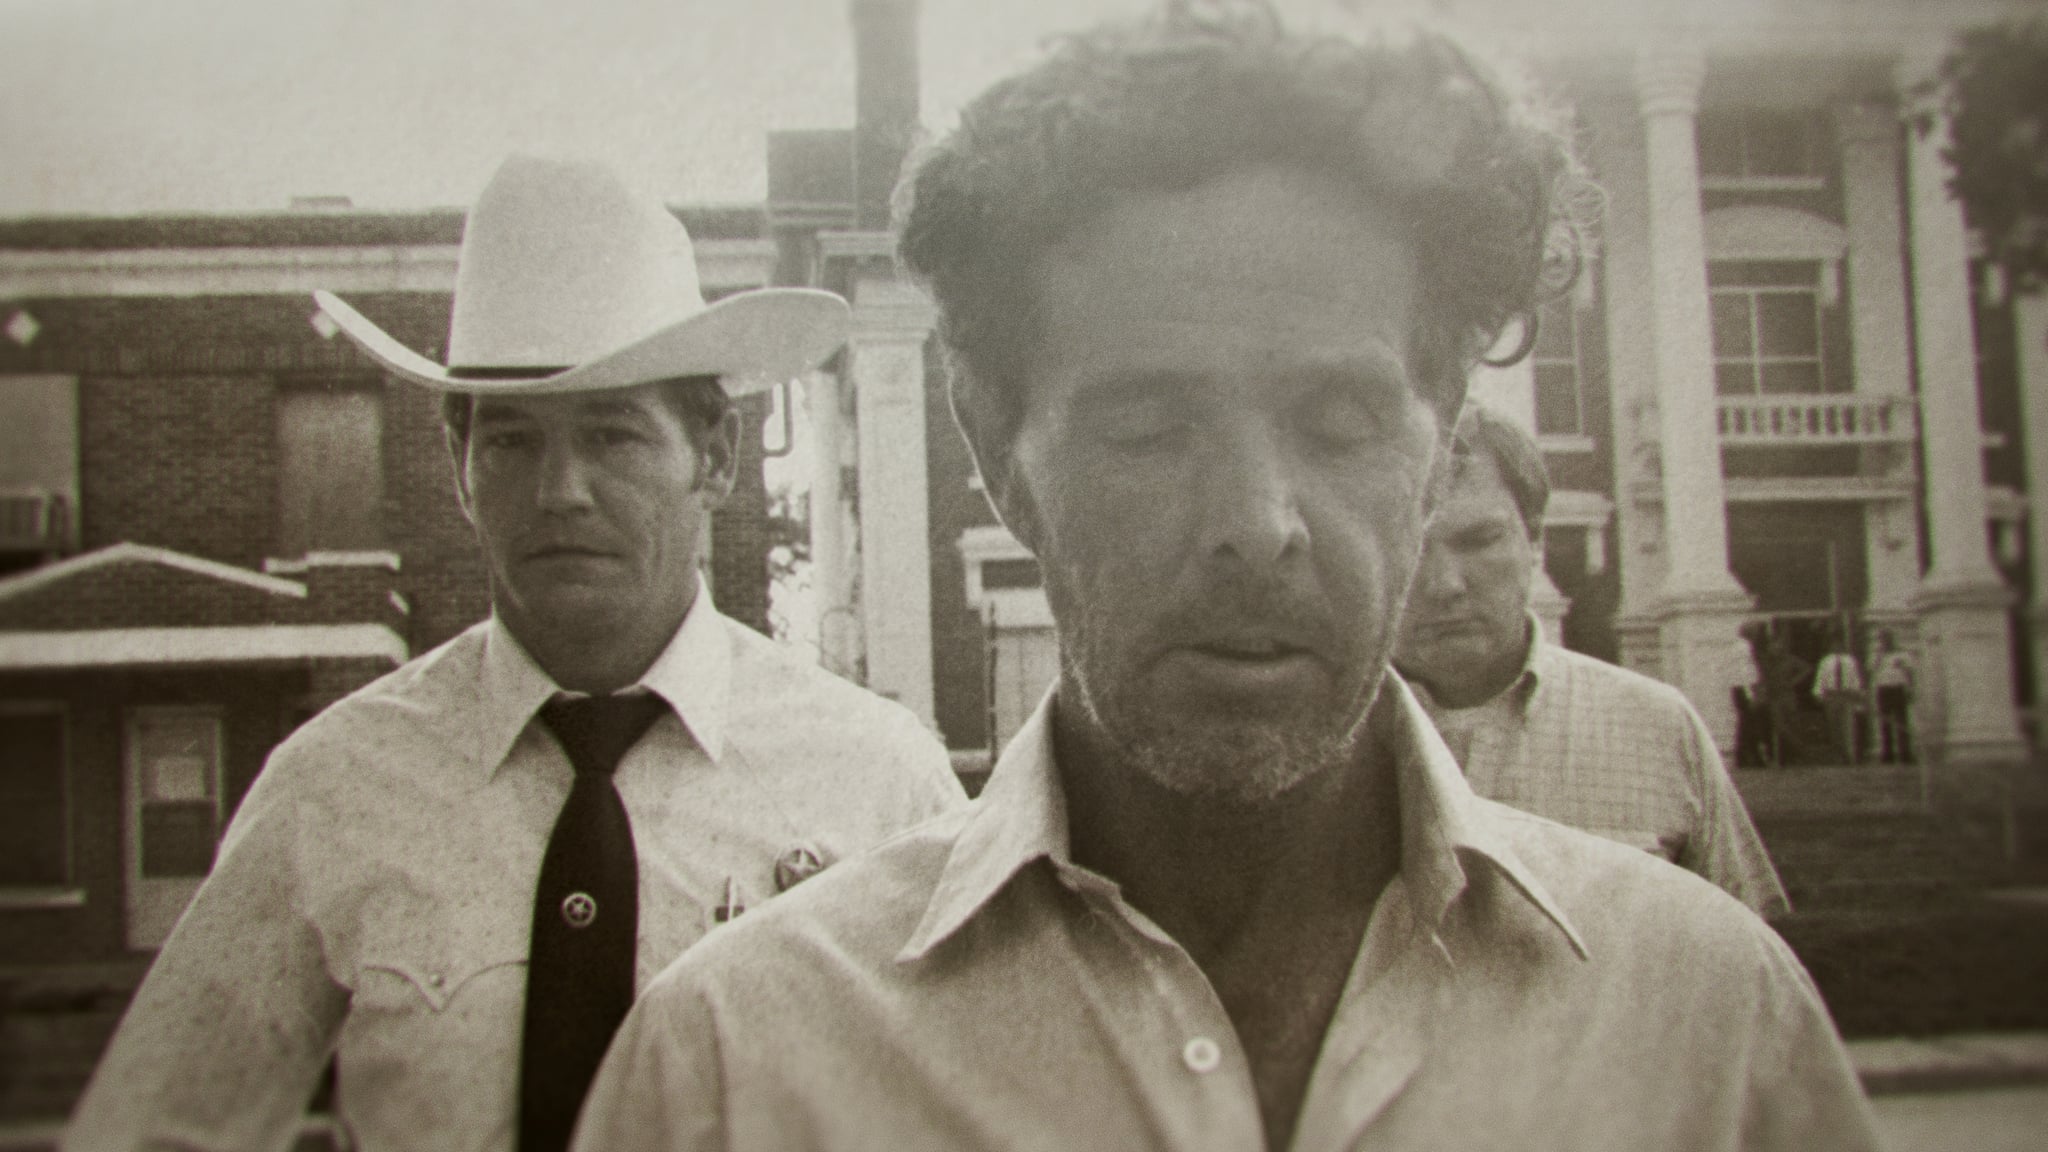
(1483,177)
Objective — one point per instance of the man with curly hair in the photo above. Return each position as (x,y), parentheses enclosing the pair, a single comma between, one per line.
(1211,291)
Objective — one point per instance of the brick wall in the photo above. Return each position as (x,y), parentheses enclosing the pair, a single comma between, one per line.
(179,462)
(739,556)
(256,707)
(178,444)
(142,596)
(443,578)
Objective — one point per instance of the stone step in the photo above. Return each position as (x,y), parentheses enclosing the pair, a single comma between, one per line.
(54,1024)
(48,1058)
(1839,791)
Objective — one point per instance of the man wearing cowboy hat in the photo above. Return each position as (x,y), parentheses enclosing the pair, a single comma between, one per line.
(456,879)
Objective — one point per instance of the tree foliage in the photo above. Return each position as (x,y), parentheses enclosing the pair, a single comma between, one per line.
(1993,86)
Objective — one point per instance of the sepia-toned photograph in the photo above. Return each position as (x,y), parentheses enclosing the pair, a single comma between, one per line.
(1153,575)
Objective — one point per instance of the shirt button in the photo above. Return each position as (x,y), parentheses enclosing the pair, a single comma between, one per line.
(436,980)
(1201,1055)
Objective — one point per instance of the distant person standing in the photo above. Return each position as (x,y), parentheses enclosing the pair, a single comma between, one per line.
(1784,678)
(1753,747)
(1839,684)
(1891,677)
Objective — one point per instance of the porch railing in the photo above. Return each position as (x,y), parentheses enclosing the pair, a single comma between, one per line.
(1807,419)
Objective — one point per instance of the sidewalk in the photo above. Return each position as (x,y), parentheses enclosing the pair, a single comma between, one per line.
(1960,1062)
(1893,1072)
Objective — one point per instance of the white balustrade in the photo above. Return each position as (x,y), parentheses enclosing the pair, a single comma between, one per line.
(1809,419)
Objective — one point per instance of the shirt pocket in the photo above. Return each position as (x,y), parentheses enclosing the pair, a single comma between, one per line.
(401,981)
(431,1043)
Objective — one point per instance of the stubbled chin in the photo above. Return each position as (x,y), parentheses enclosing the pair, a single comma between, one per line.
(1239,756)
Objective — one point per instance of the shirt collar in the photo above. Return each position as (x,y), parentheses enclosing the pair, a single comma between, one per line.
(1021,816)
(1537,664)
(693,674)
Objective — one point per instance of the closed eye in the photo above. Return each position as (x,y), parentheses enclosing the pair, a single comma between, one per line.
(509,439)
(1144,424)
(1353,401)
(1478,538)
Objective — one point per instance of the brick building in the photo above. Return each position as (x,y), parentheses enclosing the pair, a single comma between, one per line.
(216,518)
(1786,391)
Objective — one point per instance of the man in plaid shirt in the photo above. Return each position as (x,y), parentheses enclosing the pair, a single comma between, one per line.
(1545,729)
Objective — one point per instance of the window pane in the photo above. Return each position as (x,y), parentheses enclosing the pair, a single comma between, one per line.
(1786,324)
(32,818)
(1720,140)
(1010,574)
(1731,325)
(1778,146)
(1557,400)
(1554,333)
(330,473)
(1763,273)
(1796,376)
(1737,379)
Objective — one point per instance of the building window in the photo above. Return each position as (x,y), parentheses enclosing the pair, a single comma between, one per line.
(38,469)
(330,470)
(1767,327)
(1560,410)
(177,789)
(1757,146)
(35,817)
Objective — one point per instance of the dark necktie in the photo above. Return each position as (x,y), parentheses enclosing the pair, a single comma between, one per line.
(586,914)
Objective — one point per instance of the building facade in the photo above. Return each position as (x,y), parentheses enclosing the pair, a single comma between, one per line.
(1786,393)
(216,517)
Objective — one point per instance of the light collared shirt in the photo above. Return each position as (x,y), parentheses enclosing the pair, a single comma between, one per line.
(1519,985)
(1894,670)
(1615,753)
(374,894)
(1838,672)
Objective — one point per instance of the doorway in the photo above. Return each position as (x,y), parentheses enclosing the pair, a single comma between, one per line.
(173,789)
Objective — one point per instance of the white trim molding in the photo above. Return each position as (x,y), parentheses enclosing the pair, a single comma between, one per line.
(853,245)
(1773,232)
(1012,607)
(130,553)
(38,898)
(311,560)
(241,644)
(722,266)
(1573,508)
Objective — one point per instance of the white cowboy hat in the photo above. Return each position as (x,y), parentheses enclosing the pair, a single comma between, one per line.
(568,281)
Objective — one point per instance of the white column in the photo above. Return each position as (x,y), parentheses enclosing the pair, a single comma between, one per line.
(1882,355)
(1625,265)
(1962,599)
(832,561)
(1701,602)
(2030,314)
(891,320)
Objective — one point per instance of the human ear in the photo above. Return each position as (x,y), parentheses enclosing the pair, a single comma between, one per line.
(718,457)
(458,460)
